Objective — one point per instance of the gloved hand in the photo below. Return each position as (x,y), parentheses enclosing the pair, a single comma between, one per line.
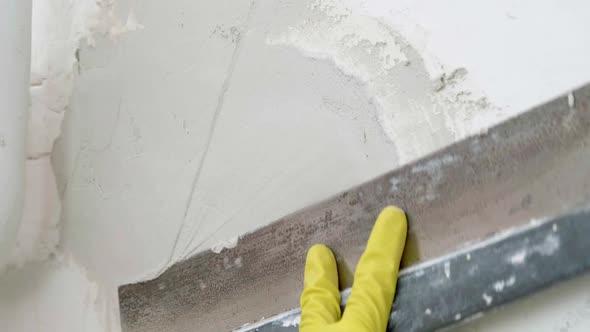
(374,284)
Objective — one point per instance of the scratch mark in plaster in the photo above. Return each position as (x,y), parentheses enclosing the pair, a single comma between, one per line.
(101,192)
(198,246)
(105,22)
(37,156)
(54,109)
(546,248)
(291,321)
(71,176)
(283,174)
(211,132)
(135,156)
(225,222)
(112,134)
(250,202)
(187,253)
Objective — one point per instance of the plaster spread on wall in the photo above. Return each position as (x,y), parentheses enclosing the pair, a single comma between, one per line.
(361,47)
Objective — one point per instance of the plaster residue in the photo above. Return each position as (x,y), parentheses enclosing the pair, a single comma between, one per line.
(38,260)
(291,321)
(447,267)
(225,244)
(394,182)
(519,257)
(407,95)
(548,247)
(466,110)
(392,71)
(433,169)
(500,285)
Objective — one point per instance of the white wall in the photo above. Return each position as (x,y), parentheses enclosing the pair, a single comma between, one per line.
(191,122)
(15,38)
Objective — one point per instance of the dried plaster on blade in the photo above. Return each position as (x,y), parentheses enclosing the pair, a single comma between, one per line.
(548,245)
(393,72)
(547,248)
(432,169)
(225,244)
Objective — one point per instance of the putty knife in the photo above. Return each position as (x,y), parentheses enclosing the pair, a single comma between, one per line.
(446,290)
(533,166)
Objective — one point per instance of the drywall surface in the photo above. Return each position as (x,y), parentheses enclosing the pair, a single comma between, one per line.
(189,123)
(15,38)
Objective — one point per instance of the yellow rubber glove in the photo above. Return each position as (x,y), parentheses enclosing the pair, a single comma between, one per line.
(373,290)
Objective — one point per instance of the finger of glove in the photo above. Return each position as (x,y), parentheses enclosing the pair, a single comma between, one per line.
(376,274)
(320,300)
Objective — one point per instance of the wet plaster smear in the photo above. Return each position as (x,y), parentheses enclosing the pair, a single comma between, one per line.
(180,125)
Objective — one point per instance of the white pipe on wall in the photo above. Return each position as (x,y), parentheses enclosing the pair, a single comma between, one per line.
(15,58)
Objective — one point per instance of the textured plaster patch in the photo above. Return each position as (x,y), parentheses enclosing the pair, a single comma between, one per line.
(392,71)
